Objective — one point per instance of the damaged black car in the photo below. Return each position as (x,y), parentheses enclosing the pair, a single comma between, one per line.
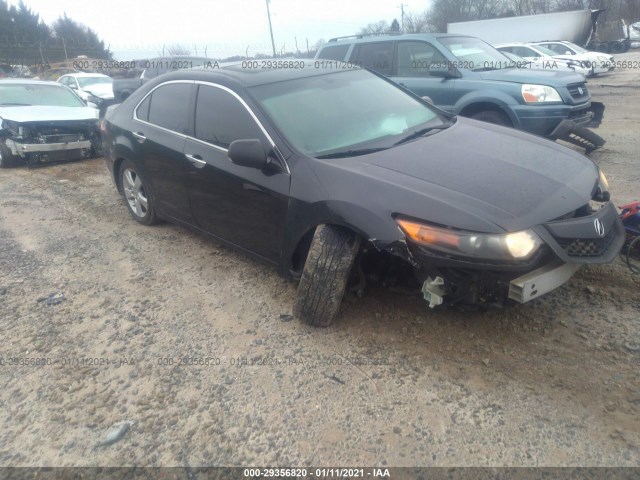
(44,122)
(340,178)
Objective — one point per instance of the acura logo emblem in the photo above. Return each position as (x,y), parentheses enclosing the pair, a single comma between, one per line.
(580,91)
(599,227)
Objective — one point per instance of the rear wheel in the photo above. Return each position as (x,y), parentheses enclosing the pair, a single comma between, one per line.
(492,116)
(325,275)
(135,193)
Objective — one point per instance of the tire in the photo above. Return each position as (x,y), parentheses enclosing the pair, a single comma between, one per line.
(7,159)
(325,275)
(136,196)
(492,116)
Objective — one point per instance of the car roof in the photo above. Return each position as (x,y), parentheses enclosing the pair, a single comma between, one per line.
(85,74)
(22,81)
(241,72)
(390,37)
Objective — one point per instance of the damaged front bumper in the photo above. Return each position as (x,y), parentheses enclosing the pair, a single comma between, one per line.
(542,280)
(22,149)
(575,131)
(568,244)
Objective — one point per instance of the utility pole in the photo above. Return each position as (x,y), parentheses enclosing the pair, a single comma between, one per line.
(402,5)
(273,44)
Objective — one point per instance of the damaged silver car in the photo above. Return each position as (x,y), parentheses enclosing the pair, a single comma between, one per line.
(44,122)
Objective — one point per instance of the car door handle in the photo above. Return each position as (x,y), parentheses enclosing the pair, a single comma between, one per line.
(139,136)
(196,160)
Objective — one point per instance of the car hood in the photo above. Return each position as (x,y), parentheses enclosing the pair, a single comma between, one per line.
(473,176)
(550,77)
(101,90)
(37,113)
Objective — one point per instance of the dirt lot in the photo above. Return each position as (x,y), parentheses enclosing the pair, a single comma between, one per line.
(552,383)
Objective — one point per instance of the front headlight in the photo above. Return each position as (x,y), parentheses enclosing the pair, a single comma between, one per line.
(93,99)
(483,246)
(601,193)
(539,94)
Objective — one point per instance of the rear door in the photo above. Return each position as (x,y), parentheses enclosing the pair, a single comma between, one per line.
(413,61)
(242,205)
(161,126)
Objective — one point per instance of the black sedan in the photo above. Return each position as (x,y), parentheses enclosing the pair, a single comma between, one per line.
(340,177)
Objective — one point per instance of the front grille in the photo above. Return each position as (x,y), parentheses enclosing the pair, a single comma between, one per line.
(61,138)
(588,247)
(574,91)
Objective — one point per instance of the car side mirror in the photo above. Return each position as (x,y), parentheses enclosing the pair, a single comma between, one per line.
(568,52)
(443,70)
(427,99)
(71,85)
(248,153)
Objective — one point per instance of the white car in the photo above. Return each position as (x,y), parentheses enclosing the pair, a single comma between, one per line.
(91,87)
(44,122)
(600,62)
(548,59)
(538,64)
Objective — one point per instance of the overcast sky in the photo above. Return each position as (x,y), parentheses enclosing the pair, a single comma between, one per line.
(139,28)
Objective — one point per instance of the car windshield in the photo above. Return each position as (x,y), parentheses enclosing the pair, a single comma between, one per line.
(87,81)
(479,56)
(346,112)
(43,95)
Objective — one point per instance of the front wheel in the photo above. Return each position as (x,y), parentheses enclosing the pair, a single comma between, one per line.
(325,275)
(492,116)
(7,159)
(135,193)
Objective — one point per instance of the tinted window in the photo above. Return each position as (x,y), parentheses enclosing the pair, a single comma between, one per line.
(336,52)
(142,111)
(221,118)
(64,80)
(415,58)
(377,56)
(170,106)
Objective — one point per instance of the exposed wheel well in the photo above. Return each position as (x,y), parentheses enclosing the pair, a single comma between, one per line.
(116,171)
(301,251)
(474,108)
(371,264)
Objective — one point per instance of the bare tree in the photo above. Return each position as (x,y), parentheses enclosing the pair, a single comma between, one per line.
(177,49)
(379,27)
(416,22)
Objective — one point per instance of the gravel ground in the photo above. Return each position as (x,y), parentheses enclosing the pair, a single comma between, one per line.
(113,306)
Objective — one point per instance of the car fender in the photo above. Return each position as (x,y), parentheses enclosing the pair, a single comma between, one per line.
(305,217)
(501,100)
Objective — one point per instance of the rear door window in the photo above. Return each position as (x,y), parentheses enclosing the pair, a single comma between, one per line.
(334,52)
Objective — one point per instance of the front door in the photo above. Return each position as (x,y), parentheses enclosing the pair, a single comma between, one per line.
(242,205)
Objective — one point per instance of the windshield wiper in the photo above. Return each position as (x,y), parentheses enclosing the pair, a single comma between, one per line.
(15,104)
(352,153)
(421,132)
